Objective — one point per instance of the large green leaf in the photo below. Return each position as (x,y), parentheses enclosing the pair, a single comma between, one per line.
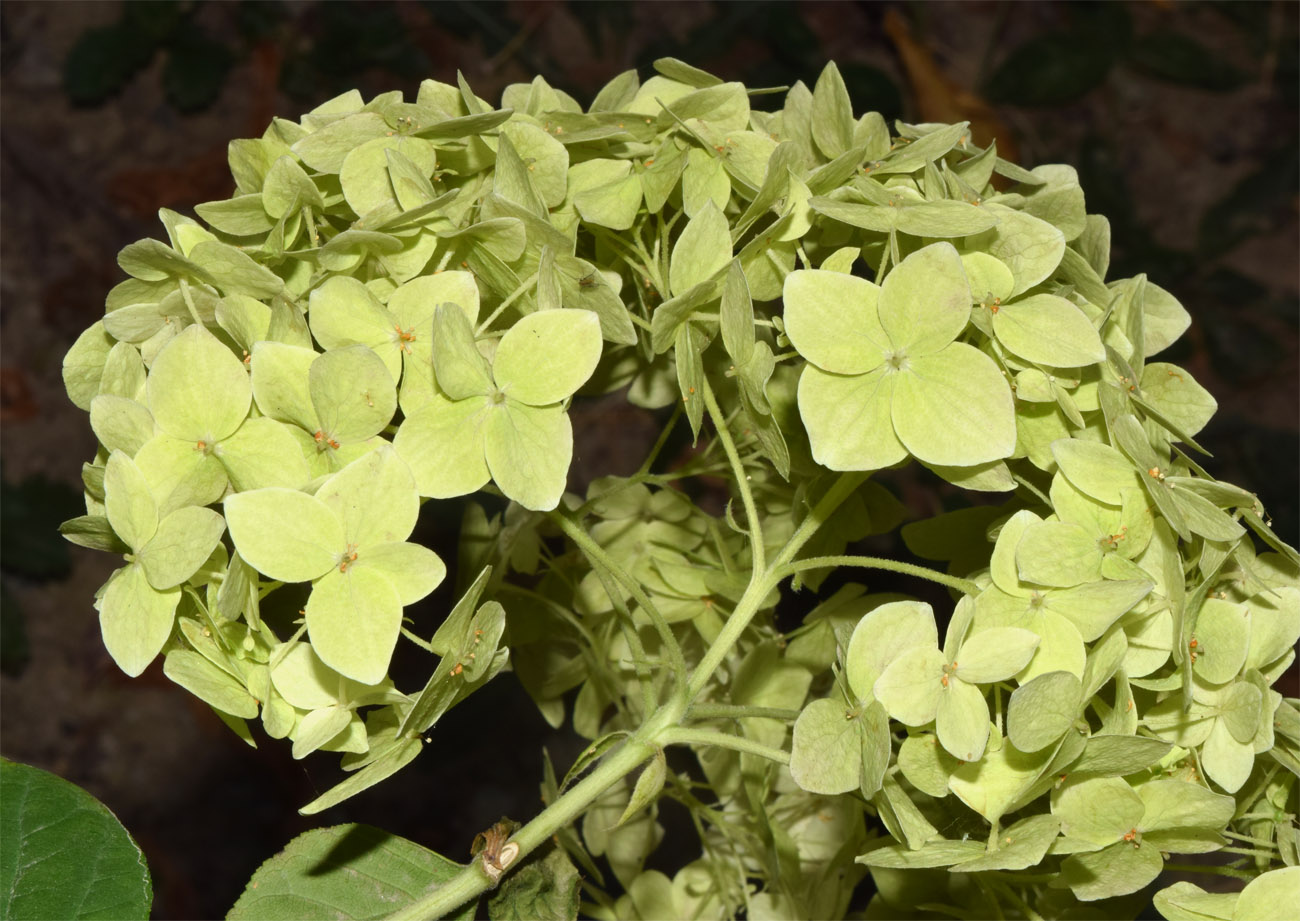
(545,889)
(1116,870)
(285,534)
(954,408)
(346,871)
(547,356)
(63,854)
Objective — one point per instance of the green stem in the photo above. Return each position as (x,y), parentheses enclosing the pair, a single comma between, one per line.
(738,712)
(662,440)
(723,740)
(874,562)
(742,479)
(1211,870)
(763,582)
(472,880)
(189,301)
(501,308)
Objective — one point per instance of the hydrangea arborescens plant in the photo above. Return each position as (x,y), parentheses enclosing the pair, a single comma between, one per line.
(398,306)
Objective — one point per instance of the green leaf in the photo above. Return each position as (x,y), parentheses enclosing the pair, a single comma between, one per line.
(528,450)
(831,318)
(1269,897)
(281,383)
(925,301)
(353,620)
(832,113)
(826,751)
(413,570)
(346,871)
(1019,847)
(1179,805)
(1222,635)
(1029,247)
(182,543)
(910,687)
(541,890)
(120,424)
(954,408)
(234,271)
(210,684)
(344,312)
(1099,811)
(926,765)
(262,453)
(1095,469)
(1049,330)
(649,785)
(63,854)
(848,419)
(1184,901)
(1120,755)
(1115,870)
(962,720)
(995,783)
(135,618)
(83,366)
(198,390)
(128,501)
(352,392)
(1042,710)
(933,854)
(881,636)
(546,356)
(736,316)
(702,250)
(443,445)
(373,498)
(1058,553)
(284,534)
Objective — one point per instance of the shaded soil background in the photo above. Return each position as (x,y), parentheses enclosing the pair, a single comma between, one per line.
(1181,119)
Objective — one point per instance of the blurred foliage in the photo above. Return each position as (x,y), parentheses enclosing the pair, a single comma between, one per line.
(31,548)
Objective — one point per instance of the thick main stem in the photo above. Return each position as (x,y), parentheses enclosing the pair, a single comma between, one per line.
(473,879)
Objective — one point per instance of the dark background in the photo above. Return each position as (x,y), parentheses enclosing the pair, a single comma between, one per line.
(1181,119)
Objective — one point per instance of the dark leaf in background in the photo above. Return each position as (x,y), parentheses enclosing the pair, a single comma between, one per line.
(154,19)
(103,60)
(1179,58)
(196,70)
(1051,69)
(1254,205)
(14,651)
(30,515)
(257,20)
(872,90)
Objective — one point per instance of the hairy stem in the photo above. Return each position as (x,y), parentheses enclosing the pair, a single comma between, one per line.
(742,478)
(737,712)
(473,879)
(723,740)
(964,586)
